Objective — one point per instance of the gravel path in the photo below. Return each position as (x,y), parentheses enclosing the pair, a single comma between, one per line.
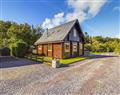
(97,76)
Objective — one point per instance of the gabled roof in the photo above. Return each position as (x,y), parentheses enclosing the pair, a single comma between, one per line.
(57,33)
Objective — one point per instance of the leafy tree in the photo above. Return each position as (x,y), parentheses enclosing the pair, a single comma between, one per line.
(10,32)
(87,38)
(117,49)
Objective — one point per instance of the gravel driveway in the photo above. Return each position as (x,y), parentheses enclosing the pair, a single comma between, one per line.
(99,75)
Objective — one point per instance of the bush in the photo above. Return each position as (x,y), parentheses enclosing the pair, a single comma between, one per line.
(117,49)
(19,49)
(13,50)
(88,47)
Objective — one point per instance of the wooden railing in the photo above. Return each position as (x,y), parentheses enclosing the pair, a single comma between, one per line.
(35,57)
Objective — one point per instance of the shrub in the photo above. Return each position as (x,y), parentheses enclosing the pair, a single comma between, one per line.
(13,51)
(88,47)
(19,49)
(117,49)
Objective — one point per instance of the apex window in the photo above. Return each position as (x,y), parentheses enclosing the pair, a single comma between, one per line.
(75,32)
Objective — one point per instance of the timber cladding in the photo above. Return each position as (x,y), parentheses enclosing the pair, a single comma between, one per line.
(55,51)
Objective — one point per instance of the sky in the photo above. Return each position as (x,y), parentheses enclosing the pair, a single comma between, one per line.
(96,17)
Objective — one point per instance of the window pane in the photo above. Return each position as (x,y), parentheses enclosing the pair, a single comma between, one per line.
(74,47)
(67,47)
(39,47)
(75,33)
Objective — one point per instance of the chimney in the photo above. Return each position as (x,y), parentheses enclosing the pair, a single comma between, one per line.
(47,32)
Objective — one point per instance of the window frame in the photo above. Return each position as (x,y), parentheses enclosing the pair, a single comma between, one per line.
(39,47)
(74,47)
(66,49)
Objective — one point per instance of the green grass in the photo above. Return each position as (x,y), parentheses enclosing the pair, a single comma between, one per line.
(97,52)
(72,60)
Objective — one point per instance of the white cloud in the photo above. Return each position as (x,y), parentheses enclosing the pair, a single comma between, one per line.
(82,10)
(56,20)
(116,8)
(118,36)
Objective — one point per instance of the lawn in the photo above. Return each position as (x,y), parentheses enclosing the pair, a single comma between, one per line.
(72,60)
(97,52)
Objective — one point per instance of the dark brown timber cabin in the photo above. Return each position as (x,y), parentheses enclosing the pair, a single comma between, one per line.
(64,41)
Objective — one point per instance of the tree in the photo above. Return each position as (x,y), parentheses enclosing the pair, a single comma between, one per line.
(11,32)
(117,49)
(35,33)
(87,38)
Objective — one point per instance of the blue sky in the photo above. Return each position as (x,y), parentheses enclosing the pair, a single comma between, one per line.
(97,18)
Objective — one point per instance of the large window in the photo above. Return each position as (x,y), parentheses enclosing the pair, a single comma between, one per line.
(75,32)
(67,47)
(74,47)
(49,47)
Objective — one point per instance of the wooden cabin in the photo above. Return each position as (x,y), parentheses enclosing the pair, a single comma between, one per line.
(63,41)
